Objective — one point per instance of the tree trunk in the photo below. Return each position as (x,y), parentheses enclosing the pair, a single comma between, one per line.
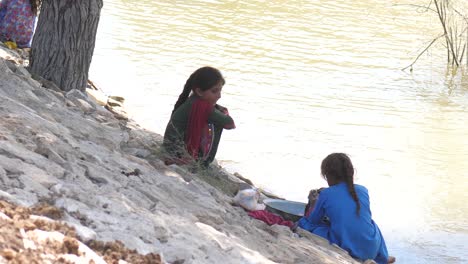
(64,41)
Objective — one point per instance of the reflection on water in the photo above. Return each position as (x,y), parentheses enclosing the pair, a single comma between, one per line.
(304,79)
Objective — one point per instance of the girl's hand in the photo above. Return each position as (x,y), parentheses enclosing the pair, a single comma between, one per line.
(314,193)
(223,109)
(294,227)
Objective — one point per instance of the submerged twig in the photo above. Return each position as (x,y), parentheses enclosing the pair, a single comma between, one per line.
(422,52)
(425,8)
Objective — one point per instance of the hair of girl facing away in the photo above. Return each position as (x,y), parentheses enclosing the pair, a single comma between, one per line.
(338,167)
(203,78)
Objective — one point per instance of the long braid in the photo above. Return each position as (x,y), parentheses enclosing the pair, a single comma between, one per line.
(348,166)
(352,191)
(339,168)
(185,93)
(349,178)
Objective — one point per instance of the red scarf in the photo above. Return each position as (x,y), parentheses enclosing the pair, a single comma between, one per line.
(197,124)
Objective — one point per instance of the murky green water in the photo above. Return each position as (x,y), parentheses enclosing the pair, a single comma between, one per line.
(304,79)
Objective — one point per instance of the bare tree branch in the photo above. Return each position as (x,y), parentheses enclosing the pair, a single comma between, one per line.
(441,10)
(424,8)
(422,52)
(454,30)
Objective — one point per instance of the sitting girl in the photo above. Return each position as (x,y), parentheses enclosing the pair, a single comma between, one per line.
(194,130)
(17,21)
(342,213)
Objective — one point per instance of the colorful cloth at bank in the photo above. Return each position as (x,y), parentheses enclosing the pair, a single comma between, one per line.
(194,132)
(270,218)
(17,22)
(334,218)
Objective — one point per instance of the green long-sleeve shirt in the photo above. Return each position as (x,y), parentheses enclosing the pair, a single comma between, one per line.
(175,134)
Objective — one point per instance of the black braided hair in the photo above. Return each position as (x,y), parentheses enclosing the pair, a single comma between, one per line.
(339,168)
(203,78)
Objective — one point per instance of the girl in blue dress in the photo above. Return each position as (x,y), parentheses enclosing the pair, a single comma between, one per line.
(342,213)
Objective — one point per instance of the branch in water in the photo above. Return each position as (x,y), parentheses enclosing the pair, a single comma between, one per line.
(428,46)
(425,8)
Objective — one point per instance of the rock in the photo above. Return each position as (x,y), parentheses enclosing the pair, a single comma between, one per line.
(130,241)
(81,253)
(6,68)
(41,218)
(60,190)
(138,152)
(242,178)
(81,100)
(118,112)
(210,219)
(162,234)
(117,98)
(85,234)
(21,70)
(10,198)
(76,94)
(280,230)
(70,205)
(114,103)
(24,74)
(46,83)
(98,96)
(4,217)
(85,106)
(11,65)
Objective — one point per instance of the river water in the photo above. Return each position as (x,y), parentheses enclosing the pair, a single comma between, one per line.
(306,78)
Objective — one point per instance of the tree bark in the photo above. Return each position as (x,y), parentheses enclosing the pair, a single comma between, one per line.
(64,41)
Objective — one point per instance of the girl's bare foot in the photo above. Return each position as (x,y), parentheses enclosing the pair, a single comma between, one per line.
(391,259)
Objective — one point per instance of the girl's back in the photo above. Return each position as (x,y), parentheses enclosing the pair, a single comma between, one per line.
(342,213)
(347,229)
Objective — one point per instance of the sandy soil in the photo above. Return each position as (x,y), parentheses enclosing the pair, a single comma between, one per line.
(17,245)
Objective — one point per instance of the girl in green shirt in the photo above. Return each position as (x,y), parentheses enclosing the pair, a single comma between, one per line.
(194,130)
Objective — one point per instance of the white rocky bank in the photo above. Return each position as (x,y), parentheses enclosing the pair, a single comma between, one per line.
(68,151)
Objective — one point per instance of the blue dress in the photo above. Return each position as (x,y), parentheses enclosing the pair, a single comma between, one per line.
(334,218)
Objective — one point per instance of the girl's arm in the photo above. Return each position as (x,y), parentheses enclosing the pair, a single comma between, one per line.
(315,217)
(318,213)
(221,118)
(222,109)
